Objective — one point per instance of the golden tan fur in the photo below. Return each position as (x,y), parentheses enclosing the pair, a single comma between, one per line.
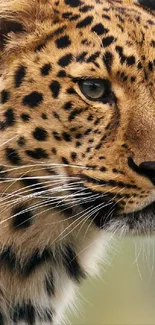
(84,149)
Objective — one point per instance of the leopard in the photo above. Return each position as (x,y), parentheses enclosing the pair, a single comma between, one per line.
(77,145)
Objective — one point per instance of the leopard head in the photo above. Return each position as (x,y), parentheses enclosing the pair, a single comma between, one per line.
(77,112)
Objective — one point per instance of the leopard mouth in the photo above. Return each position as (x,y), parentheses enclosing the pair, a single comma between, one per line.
(104,212)
(110,218)
(141,222)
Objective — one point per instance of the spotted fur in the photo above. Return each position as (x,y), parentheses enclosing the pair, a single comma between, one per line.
(71,167)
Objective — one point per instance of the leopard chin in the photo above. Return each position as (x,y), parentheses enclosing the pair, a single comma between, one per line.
(141,222)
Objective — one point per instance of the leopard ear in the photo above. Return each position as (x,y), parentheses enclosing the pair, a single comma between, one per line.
(8,26)
(149,4)
(17,17)
(11,20)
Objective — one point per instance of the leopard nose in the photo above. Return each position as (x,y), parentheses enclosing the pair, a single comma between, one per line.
(146,168)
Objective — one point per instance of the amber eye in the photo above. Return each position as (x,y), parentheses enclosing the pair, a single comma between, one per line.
(95,89)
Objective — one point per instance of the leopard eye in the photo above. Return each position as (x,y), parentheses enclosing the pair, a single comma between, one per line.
(95,89)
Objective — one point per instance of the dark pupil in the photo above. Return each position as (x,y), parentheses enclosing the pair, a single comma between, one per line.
(93,89)
(93,86)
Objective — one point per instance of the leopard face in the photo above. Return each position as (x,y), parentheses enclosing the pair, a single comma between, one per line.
(77,115)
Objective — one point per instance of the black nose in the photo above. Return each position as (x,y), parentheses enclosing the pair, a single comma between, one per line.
(146,169)
(147,3)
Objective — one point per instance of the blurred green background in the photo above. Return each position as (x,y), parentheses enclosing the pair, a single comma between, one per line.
(124,292)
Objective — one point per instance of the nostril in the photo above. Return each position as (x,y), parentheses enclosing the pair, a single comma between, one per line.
(146,169)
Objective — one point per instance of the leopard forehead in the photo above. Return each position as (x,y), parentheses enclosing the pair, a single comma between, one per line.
(69,40)
(84,23)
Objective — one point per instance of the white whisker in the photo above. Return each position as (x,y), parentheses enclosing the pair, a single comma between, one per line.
(4,143)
